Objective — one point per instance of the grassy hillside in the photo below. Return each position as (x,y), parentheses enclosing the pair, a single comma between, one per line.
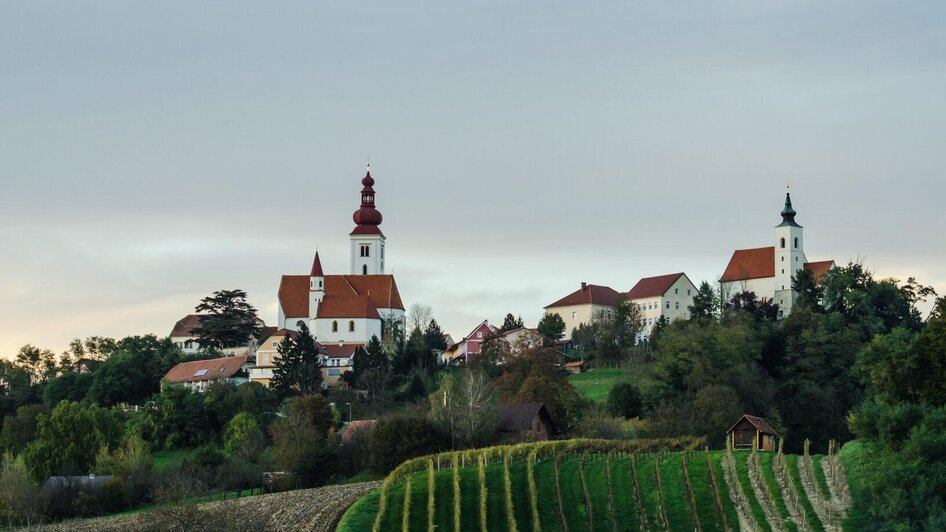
(591,485)
(596,384)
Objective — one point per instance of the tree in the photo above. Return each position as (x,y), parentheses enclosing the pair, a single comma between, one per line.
(467,407)
(402,435)
(69,438)
(69,386)
(552,326)
(20,429)
(616,332)
(705,303)
(533,377)
(226,320)
(419,353)
(624,400)
(511,323)
(21,502)
(243,439)
(39,364)
(297,369)
(760,309)
(434,336)
(418,316)
(133,371)
(810,293)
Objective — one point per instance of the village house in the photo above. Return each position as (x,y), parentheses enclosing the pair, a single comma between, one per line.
(335,359)
(769,271)
(664,296)
(470,346)
(525,422)
(584,305)
(197,375)
(182,336)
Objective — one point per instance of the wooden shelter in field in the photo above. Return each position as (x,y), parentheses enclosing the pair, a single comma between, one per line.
(525,422)
(752,431)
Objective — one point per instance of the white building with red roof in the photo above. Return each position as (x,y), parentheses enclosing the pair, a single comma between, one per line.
(584,305)
(770,271)
(663,296)
(346,309)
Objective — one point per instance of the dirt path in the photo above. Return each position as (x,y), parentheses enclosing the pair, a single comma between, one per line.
(316,509)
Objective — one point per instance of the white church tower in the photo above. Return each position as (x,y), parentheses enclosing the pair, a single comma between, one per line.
(367,240)
(316,288)
(789,257)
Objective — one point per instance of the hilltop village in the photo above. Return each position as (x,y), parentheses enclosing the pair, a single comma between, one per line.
(356,381)
(344,311)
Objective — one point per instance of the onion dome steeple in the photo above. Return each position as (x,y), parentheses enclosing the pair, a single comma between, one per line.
(788,213)
(367,218)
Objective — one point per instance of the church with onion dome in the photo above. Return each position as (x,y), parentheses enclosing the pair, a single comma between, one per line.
(345,310)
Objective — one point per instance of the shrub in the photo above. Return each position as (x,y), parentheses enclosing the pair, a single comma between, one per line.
(624,401)
(400,436)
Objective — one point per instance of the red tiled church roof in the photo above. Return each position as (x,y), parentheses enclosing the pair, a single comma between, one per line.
(589,294)
(361,294)
(819,269)
(206,370)
(756,263)
(653,286)
(759,263)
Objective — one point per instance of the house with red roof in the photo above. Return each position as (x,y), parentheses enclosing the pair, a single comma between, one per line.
(183,336)
(197,375)
(769,271)
(470,346)
(663,296)
(346,309)
(584,305)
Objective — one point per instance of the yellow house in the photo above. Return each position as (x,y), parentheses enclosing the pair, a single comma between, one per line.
(584,305)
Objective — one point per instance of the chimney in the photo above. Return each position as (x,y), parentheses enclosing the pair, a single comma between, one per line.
(584,285)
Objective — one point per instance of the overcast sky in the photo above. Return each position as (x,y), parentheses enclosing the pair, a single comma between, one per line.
(153,152)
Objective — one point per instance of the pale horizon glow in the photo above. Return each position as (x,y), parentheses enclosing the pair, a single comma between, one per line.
(152,153)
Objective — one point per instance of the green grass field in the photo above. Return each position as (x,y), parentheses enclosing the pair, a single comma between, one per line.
(597,494)
(596,384)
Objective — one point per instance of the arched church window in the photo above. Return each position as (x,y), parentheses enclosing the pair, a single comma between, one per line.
(364,269)
(782,242)
(334,326)
(351,326)
(796,242)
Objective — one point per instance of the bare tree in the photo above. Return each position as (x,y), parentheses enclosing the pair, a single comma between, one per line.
(419,315)
(468,406)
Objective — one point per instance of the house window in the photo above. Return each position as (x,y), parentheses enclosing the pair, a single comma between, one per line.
(573,315)
(688,291)
(351,326)
(334,326)
(668,304)
(479,334)
(783,270)
(676,290)
(783,259)
(334,372)
(275,344)
(678,305)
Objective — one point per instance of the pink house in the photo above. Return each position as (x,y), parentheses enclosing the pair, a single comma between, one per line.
(470,345)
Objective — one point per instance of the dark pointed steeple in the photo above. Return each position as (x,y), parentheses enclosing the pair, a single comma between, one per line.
(788,213)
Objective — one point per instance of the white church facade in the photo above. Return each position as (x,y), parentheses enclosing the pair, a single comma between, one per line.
(770,271)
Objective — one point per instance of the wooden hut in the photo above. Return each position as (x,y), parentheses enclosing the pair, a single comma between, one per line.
(752,430)
(525,422)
